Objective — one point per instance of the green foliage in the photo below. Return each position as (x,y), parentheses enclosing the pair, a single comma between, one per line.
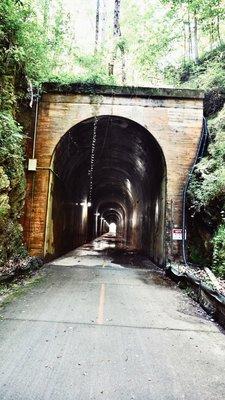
(208,183)
(93,70)
(43,51)
(207,191)
(12,186)
(207,74)
(219,251)
(207,186)
(206,8)
(201,26)
(196,255)
(88,75)
(13,26)
(20,40)
(148,36)
(152,50)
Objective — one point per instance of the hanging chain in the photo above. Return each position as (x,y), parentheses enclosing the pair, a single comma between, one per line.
(93,146)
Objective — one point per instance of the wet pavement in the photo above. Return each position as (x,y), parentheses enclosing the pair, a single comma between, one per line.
(105,323)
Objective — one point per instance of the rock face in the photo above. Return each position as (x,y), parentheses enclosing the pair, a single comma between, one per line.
(12,177)
(213,102)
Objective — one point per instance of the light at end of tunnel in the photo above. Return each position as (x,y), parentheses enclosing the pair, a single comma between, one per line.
(112,228)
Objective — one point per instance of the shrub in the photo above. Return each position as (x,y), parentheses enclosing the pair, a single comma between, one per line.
(219,251)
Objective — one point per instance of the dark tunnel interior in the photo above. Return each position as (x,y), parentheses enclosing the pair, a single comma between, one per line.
(108,170)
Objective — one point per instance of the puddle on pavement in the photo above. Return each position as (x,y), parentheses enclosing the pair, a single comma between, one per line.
(108,250)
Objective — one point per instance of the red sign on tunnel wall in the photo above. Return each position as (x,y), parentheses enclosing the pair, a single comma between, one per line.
(177,234)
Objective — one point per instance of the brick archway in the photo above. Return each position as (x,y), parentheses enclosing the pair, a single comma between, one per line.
(174,118)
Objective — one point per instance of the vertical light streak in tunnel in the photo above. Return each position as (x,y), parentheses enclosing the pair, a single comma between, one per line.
(92,161)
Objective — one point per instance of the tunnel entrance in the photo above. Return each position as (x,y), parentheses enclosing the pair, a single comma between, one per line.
(107,170)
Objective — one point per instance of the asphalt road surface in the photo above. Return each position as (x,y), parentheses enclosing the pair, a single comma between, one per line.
(98,327)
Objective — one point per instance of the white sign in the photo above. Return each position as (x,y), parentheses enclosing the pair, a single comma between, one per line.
(177,234)
(32,164)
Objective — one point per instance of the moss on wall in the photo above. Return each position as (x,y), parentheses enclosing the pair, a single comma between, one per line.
(12,180)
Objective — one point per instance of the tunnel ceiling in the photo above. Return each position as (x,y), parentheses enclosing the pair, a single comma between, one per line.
(127,161)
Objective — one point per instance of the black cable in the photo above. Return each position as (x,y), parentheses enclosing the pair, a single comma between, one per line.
(199,154)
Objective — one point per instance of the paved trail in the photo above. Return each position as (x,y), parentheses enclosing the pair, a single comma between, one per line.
(93,329)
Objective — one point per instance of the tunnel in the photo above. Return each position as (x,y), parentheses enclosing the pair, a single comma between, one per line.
(108,170)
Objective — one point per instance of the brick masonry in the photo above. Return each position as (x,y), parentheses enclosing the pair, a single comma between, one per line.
(175,122)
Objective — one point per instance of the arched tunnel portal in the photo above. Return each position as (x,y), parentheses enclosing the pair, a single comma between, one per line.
(108,169)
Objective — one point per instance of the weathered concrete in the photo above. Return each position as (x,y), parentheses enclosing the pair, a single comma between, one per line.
(95,330)
(124,91)
(172,117)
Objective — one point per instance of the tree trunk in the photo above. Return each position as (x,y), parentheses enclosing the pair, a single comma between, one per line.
(97,26)
(185,41)
(218,30)
(195,39)
(116,20)
(117,36)
(112,63)
(123,67)
(189,37)
(103,19)
(211,36)
(46,13)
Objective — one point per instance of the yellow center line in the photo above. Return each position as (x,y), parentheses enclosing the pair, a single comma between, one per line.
(100,318)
